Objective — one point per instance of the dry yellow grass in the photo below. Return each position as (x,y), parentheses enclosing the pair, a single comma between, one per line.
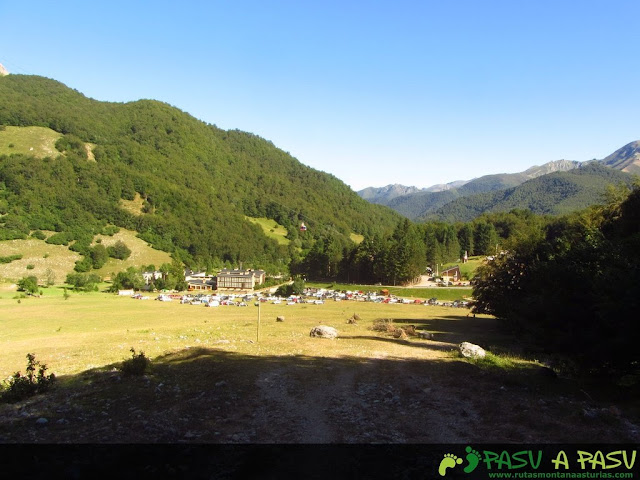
(92,330)
(60,260)
(41,255)
(133,206)
(36,141)
(141,253)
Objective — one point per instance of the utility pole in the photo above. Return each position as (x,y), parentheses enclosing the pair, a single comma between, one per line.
(258,330)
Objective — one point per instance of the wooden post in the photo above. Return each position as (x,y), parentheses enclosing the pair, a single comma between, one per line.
(258,330)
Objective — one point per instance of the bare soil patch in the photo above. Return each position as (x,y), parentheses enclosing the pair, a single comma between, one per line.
(206,395)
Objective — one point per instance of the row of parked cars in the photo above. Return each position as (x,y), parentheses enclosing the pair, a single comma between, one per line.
(315,298)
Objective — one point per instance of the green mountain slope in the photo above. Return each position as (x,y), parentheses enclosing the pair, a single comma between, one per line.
(422,203)
(197,182)
(555,193)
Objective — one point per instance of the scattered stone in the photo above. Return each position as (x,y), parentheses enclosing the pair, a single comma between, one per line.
(323,331)
(221,383)
(42,421)
(470,350)
(400,333)
(425,335)
(352,321)
(410,330)
(280,318)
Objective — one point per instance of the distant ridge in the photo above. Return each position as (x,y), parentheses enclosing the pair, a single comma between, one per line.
(430,202)
(418,202)
(626,158)
(383,195)
(556,193)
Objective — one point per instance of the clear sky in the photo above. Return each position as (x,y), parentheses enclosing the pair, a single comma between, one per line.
(373,92)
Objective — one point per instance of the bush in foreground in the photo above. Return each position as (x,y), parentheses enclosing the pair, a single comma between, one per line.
(136,365)
(19,387)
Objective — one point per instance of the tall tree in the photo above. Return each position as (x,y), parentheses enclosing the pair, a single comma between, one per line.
(405,259)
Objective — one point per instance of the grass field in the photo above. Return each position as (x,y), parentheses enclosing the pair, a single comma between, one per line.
(271,229)
(141,253)
(215,377)
(37,141)
(91,330)
(60,260)
(40,255)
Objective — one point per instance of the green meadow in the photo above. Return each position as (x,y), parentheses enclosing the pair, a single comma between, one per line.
(91,330)
(37,141)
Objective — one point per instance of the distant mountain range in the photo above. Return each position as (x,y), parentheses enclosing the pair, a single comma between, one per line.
(532,189)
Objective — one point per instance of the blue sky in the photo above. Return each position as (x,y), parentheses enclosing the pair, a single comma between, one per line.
(373,92)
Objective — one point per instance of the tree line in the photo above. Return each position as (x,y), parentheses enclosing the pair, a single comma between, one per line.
(571,287)
(412,248)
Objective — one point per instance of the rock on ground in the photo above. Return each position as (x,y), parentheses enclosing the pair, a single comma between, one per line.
(471,350)
(322,331)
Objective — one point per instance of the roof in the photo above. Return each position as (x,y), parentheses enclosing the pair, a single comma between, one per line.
(240,273)
(450,269)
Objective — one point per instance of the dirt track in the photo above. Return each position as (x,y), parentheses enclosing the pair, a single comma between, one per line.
(210,396)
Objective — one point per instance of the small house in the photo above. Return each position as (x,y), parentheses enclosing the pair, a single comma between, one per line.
(451,274)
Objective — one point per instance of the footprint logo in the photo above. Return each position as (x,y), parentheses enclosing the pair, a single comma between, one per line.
(473,458)
(449,461)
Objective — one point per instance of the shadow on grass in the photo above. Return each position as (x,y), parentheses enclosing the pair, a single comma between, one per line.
(426,344)
(203,395)
(455,329)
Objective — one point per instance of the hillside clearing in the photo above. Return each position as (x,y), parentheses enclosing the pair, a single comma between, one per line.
(39,142)
(271,229)
(60,260)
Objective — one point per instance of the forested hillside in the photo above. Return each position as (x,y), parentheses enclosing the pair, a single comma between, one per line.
(194,181)
(421,204)
(554,194)
(571,286)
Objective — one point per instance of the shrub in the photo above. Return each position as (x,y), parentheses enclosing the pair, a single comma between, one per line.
(10,258)
(383,325)
(109,230)
(39,234)
(60,238)
(136,365)
(19,387)
(31,266)
(28,284)
(119,250)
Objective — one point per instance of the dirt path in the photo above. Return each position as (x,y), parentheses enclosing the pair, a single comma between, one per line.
(209,396)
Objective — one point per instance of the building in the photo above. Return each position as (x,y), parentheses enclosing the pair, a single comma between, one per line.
(240,279)
(208,283)
(451,274)
(199,280)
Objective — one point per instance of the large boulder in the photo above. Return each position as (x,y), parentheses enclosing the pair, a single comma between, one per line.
(470,350)
(322,331)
